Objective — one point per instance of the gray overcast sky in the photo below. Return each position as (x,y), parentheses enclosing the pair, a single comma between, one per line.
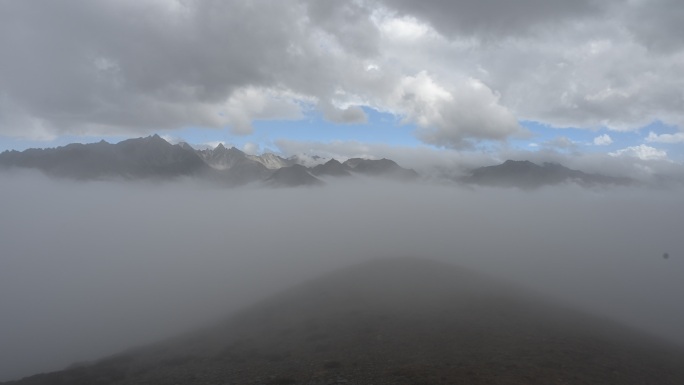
(459,73)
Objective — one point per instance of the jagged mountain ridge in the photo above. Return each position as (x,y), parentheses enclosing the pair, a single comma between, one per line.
(232,166)
(147,157)
(154,157)
(222,158)
(333,168)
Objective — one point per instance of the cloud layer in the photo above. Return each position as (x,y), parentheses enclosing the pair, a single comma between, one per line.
(462,71)
(88,269)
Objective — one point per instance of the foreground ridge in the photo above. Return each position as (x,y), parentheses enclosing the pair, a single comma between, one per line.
(395,321)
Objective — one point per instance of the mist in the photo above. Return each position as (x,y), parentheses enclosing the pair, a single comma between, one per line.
(88,269)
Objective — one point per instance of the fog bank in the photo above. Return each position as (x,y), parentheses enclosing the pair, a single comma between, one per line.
(88,269)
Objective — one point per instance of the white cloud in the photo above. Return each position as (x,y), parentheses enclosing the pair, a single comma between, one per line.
(248,104)
(642,152)
(406,29)
(348,115)
(450,118)
(665,138)
(251,148)
(603,140)
(562,142)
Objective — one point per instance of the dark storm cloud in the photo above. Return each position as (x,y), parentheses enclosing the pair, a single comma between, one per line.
(89,269)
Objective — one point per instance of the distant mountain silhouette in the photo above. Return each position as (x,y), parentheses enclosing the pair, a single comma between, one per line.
(292,176)
(331,168)
(148,157)
(528,175)
(154,157)
(396,321)
(382,167)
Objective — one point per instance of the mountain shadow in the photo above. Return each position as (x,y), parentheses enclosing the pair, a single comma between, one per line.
(396,321)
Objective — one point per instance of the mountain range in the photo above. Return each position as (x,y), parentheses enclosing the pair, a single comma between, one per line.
(153,157)
(395,321)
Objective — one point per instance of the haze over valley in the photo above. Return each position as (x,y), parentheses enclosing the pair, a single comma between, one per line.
(94,267)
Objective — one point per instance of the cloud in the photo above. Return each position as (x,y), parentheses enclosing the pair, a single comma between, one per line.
(422,158)
(665,138)
(586,71)
(491,17)
(346,115)
(561,142)
(138,67)
(657,23)
(251,148)
(603,140)
(402,29)
(446,162)
(95,67)
(463,71)
(642,152)
(141,262)
(449,118)
(248,104)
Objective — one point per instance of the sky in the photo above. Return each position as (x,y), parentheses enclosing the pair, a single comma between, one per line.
(589,81)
